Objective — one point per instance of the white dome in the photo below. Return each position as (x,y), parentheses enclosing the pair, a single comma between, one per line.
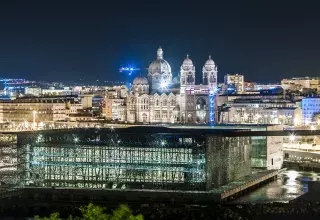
(187,65)
(187,62)
(140,80)
(159,65)
(209,62)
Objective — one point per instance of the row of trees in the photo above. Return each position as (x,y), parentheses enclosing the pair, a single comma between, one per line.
(94,212)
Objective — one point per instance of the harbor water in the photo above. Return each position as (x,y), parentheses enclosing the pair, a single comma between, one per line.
(289,185)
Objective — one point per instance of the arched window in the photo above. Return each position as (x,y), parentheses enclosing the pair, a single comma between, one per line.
(212,79)
(144,117)
(190,79)
(173,103)
(157,102)
(201,104)
(165,102)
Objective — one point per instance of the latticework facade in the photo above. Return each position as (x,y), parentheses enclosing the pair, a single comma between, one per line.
(110,159)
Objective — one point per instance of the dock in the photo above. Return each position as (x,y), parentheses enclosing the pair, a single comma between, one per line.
(244,185)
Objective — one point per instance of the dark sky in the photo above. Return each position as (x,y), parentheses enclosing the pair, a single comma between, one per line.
(69,40)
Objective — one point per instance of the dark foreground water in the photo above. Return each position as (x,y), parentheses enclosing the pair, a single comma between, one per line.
(288,186)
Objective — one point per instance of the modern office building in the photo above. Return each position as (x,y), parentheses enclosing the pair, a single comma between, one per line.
(86,101)
(258,109)
(301,83)
(310,108)
(23,111)
(33,91)
(115,109)
(237,80)
(52,91)
(266,151)
(136,158)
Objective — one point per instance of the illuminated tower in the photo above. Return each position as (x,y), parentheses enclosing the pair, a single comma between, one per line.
(209,78)
(209,74)
(187,75)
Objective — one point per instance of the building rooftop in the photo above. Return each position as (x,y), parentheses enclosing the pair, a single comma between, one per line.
(282,108)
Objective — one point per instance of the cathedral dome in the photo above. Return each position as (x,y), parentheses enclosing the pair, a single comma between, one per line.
(140,80)
(159,65)
(187,62)
(209,62)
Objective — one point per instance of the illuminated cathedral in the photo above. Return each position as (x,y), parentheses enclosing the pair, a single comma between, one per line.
(160,98)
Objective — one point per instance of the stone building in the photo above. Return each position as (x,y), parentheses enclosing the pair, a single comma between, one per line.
(162,98)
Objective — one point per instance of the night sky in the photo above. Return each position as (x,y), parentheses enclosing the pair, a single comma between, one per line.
(60,41)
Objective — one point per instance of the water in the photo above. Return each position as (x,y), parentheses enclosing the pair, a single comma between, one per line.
(288,186)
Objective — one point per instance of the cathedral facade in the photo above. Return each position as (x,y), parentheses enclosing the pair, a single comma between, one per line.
(160,98)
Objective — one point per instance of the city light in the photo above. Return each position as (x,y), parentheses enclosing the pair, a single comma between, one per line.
(129,70)
(212,95)
(76,140)
(163,85)
(292,137)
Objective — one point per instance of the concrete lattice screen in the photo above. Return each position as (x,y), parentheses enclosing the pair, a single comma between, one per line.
(106,158)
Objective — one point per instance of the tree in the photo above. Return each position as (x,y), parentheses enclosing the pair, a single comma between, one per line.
(94,212)
(124,213)
(53,216)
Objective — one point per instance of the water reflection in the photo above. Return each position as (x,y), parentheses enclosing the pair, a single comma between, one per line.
(288,186)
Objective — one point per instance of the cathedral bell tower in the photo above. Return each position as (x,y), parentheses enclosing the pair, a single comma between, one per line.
(209,74)
(187,75)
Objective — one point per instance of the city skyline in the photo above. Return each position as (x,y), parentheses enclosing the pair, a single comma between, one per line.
(72,41)
(201,109)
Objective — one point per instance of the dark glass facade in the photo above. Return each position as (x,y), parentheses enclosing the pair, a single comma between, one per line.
(107,158)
